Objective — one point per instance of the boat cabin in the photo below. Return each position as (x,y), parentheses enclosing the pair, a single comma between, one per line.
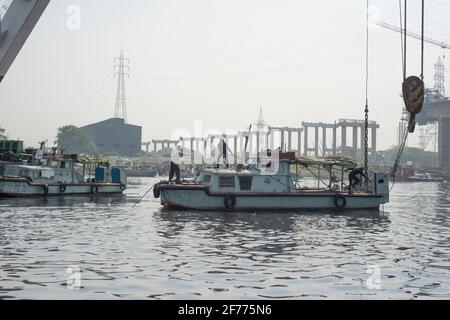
(249,179)
(51,170)
(330,175)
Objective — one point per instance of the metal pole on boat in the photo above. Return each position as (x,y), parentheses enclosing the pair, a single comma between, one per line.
(318,177)
(192,151)
(235,141)
(257,148)
(139,201)
(246,143)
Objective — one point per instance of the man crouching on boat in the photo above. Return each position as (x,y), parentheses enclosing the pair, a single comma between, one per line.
(175,161)
(354,178)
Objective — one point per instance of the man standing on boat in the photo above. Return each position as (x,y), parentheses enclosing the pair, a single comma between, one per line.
(175,161)
(355,177)
(223,152)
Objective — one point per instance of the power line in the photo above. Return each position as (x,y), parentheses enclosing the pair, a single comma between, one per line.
(274,69)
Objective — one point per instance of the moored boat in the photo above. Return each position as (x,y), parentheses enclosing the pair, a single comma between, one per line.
(40,173)
(254,188)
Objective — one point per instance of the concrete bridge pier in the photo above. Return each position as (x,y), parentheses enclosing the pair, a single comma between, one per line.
(289,131)
(317,146)
(444,143)
(357,148)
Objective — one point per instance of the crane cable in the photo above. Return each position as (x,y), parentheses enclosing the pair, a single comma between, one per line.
(404,50)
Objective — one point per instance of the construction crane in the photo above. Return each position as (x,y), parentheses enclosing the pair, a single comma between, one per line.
(430,133)
(17,20)
(441,44)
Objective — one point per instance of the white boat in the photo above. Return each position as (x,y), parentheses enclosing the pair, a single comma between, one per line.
(44,174)
(253,189)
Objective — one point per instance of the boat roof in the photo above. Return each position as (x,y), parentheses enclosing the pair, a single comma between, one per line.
(228,171)
(344,162)
(29,167)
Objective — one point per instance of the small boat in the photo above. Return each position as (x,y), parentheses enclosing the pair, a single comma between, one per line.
(424,177)
(41,173)
(271,187)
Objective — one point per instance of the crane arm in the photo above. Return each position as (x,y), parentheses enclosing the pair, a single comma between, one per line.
(385,25)
(17,21)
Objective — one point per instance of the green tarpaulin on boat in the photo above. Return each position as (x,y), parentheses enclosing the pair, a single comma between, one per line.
(345,162)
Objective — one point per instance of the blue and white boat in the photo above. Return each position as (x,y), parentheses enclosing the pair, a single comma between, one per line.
(42,173)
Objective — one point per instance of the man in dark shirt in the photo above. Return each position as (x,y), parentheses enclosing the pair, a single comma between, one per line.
(354,177)
(223,152)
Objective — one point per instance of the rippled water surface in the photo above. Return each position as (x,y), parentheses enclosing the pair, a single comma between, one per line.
(146,252)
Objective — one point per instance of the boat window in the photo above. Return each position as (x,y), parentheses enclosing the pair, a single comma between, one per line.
(207,178)
(63,165)
(245,183)
(2,170)
(226,181)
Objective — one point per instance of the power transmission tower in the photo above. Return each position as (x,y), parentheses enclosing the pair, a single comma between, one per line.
(121,70)
(261,129)
(439,77)
(260,124)
(430,133)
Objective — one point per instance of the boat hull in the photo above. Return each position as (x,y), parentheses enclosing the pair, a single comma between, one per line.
(24,188)
(201,199)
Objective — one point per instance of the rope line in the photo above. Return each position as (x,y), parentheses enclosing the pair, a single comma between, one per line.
(140,199)
(401,37)
(404,50)
(423,39)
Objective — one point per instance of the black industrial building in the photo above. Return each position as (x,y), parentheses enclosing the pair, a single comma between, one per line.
(115,136)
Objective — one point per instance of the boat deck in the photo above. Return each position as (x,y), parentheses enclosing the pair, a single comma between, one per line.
(297,192)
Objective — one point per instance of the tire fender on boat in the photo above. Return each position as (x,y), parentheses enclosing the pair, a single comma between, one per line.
(156,191)
(123,187)
(229,202)
(94,189)
(45,188)
(340,202)
(62,188)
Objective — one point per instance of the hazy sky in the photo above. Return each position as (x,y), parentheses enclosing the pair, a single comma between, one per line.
(216,61)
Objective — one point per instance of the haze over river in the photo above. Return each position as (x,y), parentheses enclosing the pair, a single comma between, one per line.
(148,253)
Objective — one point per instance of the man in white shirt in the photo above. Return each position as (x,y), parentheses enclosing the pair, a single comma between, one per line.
(175,161)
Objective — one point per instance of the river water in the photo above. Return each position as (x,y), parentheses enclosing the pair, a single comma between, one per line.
(101,248)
